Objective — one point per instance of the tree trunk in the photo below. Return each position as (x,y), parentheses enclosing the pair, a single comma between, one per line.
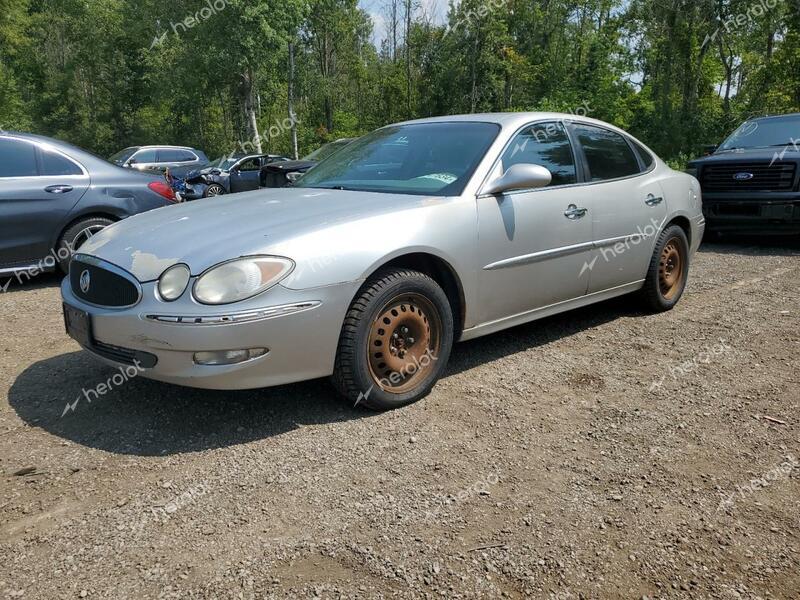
(251,120)
(292,114)
(408,58)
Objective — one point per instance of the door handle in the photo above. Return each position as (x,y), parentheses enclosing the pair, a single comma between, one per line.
(652,200)
(59,189)
(573,212)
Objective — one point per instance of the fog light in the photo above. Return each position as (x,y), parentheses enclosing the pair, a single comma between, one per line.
(228,357)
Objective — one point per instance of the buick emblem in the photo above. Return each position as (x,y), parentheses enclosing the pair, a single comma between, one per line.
(86,281)
(743,176)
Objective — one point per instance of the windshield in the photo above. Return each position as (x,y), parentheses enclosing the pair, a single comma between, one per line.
(424,158)
(765,133)
(325,151)
(122,156)
(223,163)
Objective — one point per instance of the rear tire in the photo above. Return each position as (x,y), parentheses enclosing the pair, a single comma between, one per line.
(395,342)
(668,272)
(75,236)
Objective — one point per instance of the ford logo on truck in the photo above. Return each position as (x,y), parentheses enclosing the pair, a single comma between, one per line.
(744,176)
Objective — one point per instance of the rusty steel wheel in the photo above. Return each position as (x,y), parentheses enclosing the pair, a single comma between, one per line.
(404,343)
(670,269)
(396,340)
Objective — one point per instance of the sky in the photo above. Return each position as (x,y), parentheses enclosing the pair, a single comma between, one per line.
(378,9)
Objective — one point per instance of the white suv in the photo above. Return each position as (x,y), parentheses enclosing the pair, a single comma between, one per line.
(159,158)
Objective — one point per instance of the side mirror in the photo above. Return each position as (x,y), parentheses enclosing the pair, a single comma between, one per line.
(710,149)
(132,162)
(293,176)
(521,176)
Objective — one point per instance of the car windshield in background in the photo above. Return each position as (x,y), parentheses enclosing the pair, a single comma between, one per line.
(426,159)
(765,133)
(122,156)
(223,163)
(327,150)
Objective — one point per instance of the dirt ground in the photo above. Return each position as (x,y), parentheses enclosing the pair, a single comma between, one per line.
(603,453)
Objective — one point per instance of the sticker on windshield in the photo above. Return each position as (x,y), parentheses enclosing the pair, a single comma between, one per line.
(443,177)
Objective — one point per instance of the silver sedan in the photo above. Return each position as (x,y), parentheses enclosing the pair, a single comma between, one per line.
(379,259)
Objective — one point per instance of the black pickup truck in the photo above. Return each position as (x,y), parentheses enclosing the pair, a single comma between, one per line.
(751,182)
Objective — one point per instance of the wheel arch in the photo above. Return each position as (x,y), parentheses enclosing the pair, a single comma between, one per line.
(442,272)
(83,217)
(685,224)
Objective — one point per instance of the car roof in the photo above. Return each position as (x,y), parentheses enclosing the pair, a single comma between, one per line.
(766,117)
(151,147)
(508,119)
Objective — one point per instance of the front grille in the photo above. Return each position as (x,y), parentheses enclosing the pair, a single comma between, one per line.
(776,178)
(106,287)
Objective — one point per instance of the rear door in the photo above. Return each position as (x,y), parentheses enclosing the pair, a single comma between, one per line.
(245,176)
(628,206)
(39,186)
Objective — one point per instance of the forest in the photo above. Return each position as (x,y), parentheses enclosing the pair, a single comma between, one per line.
(226,74)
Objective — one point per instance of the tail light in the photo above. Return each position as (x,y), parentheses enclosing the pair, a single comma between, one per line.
(164,190)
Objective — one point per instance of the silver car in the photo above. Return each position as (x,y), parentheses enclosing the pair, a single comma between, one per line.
(369,269)
(158,158)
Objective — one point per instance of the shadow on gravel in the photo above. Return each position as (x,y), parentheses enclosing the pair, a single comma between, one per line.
(147,418)
(23,283)
(782,245)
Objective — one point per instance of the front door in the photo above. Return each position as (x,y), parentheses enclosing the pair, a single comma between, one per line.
(534,244)
(246,175)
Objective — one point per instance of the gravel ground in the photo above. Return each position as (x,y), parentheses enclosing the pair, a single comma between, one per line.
(603,453)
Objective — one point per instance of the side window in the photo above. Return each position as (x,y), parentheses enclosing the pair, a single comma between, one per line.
(185,156)
(252,164)
(647,158)
(608,154)
(545,144)
(167,155)
(145,156)
(53,164)
(17,158)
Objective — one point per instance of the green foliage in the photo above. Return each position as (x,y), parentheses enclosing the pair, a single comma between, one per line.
(105,74)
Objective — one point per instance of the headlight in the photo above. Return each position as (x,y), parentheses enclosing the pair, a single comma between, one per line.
(173,282)
(240,279)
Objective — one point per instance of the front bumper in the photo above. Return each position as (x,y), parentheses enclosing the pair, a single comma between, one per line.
(302,335)
(755,214)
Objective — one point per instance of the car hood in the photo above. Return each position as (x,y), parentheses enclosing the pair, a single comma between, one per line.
(206,232)
(784,154)
(290,165)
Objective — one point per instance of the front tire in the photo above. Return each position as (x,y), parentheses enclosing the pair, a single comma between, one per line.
(395,341)
(75,236)
(668,272)
(214,189)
